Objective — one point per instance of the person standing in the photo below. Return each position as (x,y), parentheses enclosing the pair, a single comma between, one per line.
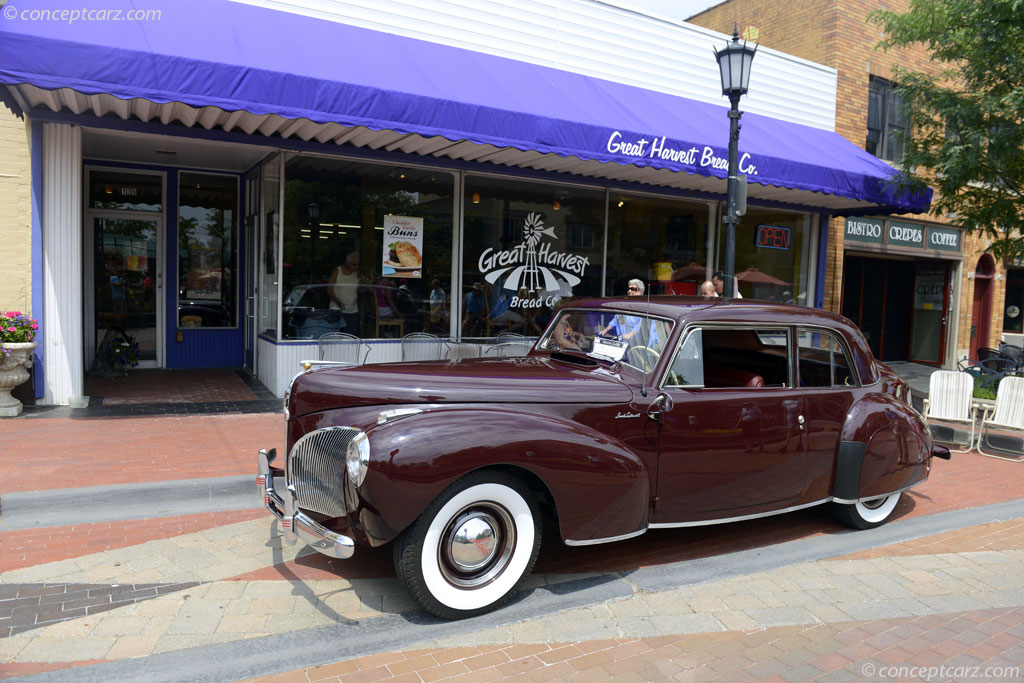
(719,281)
(344,291)
(117,292)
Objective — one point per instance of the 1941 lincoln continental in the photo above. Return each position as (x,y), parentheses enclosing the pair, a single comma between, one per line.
(627,415)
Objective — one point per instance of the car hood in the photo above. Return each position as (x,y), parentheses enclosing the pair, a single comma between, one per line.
(532,379)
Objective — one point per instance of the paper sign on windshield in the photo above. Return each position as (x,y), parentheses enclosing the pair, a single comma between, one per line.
(609,348)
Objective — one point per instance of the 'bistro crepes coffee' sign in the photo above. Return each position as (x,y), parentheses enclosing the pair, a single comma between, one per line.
(903,234)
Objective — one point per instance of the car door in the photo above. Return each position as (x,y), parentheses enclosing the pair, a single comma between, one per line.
(830,385)
(731,440)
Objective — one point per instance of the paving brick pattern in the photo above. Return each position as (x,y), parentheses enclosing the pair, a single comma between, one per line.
(142,387)
(31,547)
(26,606)
(991,641)
(994,536)
(63,452)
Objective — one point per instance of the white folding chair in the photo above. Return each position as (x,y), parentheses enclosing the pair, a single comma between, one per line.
(343,348)
(1008,414)
(422,346)
(951,399)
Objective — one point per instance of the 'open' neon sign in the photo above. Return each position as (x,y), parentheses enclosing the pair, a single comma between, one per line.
(772,237)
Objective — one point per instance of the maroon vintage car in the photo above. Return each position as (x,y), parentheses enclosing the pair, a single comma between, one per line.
(627,415)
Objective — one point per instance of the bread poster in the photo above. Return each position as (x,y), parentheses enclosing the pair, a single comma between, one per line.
(402,255)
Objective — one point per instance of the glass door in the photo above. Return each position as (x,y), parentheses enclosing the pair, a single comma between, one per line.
(931,297)
(127,286)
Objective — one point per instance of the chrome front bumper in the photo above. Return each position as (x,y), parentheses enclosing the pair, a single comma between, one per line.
(297,524)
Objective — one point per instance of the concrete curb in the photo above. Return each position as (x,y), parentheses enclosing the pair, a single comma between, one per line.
(120,502)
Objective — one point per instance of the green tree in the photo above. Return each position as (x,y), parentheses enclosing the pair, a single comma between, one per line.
(966,136)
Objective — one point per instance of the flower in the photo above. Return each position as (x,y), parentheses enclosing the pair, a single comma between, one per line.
(16,328)
(123,352)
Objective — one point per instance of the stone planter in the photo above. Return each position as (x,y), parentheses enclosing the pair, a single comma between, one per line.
(14,371)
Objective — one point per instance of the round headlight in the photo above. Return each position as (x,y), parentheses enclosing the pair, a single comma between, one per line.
(357,458)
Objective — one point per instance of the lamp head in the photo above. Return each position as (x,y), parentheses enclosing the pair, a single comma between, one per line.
(314,211)
(734,61)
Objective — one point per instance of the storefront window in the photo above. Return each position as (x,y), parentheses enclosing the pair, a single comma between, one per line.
(1012,315)
(269,232)
(526,246)
(207,250)
(125,191)
(659,240)
(367,249)
(772,255)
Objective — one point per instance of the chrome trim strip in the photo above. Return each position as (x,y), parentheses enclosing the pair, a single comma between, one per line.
(610,539)
(725,520)
(386,416)
(846,501)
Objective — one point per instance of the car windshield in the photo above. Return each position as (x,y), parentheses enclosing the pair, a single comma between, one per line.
(636,340)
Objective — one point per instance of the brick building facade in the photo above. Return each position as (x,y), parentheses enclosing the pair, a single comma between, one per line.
(837,34)
(15,209)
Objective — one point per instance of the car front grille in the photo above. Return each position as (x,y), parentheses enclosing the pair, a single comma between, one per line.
(316,468)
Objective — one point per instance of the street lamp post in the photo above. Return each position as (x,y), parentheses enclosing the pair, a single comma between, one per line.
(734,62)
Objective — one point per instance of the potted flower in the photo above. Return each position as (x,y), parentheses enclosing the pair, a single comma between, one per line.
(123,351)
(17,342)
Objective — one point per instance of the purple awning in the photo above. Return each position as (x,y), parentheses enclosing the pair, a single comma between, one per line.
(236,57)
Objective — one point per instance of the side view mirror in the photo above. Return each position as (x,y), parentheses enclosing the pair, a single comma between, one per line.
(661,403)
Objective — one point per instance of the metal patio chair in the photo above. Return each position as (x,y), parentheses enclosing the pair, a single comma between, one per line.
(422,346)
(508,349)
(343,348)
(1008,414)
(951,399)
(504,337)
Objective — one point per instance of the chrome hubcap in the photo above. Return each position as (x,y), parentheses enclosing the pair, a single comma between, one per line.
(473,543)
(476,545)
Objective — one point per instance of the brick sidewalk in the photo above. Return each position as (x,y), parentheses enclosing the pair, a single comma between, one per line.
(59,452)
(851,651)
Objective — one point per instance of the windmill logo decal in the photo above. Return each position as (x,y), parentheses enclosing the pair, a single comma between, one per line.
(534,265)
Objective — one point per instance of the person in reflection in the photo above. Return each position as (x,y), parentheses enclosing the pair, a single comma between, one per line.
(625,327)
(117,292)
(473,310)
(565,336)
(707,288)
(344,291)
(719,281)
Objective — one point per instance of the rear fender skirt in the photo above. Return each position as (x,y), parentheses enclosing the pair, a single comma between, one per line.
(849,461)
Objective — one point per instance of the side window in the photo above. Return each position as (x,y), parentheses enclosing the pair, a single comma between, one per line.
(725,358)
(688,366)
(822,361)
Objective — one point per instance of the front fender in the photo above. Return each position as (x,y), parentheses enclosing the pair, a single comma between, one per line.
(885,447)
(599,487)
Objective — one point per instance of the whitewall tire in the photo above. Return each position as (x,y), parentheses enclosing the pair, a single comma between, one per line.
(867,514)
(469,550)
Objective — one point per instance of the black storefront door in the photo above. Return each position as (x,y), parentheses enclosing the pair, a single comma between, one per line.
(877,296)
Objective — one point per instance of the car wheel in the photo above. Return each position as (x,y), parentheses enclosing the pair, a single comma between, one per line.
(469,550)
(867,514)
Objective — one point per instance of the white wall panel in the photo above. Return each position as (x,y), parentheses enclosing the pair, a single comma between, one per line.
(63,334)
(597,39)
